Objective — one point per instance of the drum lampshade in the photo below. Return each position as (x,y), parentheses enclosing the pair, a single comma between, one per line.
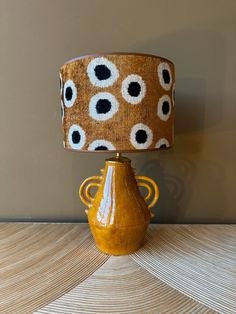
(121,102)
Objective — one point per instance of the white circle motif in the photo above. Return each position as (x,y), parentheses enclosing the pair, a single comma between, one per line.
(93,104)
(80,144)
(69,102)
(161,115)
(61,83)
(134,130)
(173,94)
(133,78)
(101,61)
(62,111)
(98,143)
(161,67)
(162,141)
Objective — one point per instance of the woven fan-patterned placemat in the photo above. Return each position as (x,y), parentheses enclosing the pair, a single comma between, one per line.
(56,268)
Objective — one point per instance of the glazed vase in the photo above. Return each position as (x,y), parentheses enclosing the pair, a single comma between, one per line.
(118,214)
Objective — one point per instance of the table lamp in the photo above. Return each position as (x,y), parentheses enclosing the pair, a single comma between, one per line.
(118,102)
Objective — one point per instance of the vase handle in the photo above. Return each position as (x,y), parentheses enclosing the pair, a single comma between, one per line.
(84,190)
(149,184)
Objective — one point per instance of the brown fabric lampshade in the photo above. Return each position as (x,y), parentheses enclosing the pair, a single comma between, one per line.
(117,102)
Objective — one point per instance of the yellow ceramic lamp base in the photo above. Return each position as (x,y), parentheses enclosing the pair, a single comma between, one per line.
(118,215)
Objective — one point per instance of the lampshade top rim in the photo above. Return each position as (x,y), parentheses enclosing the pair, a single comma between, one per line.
(99,54)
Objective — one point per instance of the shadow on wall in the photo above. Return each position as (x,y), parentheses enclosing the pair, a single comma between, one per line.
(199,59)
(191,191)
(174,177)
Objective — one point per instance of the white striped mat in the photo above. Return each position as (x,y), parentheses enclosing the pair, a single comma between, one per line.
(56,268)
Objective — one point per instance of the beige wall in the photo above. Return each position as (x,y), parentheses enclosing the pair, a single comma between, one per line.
(38,178)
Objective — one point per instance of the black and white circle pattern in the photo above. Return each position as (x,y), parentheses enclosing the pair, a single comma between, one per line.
(164,108)
(103,106)
(61,84)
(76,137)
(62,111)
(102,72)
(101,145)
(69,93)
(162,143)
(141,136)
(165,76)
(133,89)
(173,94)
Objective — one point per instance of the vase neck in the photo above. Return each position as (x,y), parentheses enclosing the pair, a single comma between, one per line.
(118,170)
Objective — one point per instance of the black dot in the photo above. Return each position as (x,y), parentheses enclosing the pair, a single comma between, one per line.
(141,136)
(166,76)
(62,111)
(163,146)
(69,93)
(103,106)
(102,72)
(101,147)
(134,89)
(76,137)
(165,107)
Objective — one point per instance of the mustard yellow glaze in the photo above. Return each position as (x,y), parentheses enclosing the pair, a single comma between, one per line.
(118,215)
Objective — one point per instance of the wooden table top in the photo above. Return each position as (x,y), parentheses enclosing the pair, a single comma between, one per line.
(56,268)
